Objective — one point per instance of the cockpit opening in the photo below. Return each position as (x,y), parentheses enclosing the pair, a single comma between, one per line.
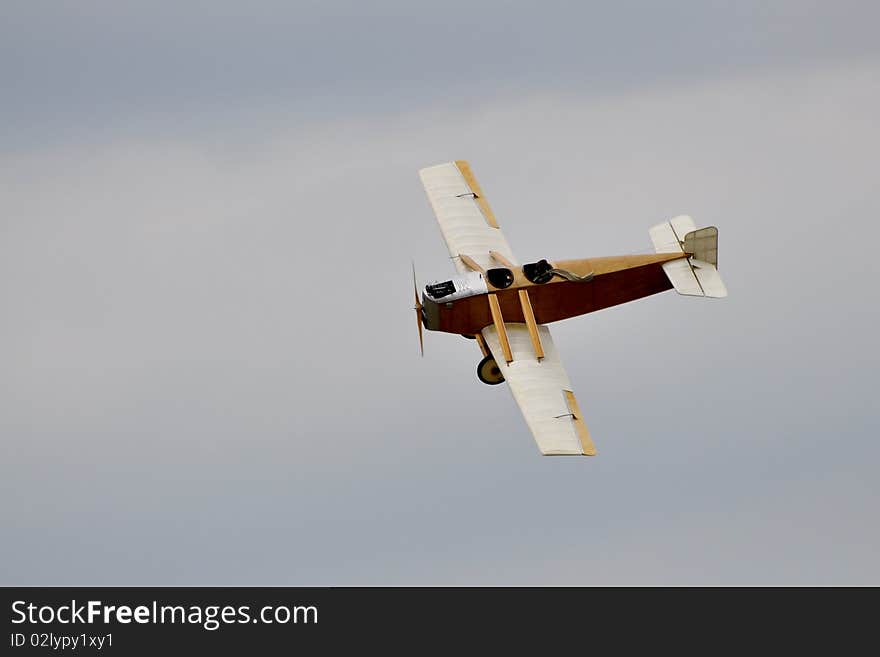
(500,277)
(538,272)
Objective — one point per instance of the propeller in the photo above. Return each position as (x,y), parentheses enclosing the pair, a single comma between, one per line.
(418,309)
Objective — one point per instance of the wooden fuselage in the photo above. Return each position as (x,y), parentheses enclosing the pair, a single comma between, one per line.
(616,280)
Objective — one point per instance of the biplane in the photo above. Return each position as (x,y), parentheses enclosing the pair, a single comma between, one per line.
(505,307)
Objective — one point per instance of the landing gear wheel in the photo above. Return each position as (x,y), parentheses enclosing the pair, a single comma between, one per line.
(488,372)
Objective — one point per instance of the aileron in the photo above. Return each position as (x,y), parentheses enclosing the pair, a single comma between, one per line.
(474,186)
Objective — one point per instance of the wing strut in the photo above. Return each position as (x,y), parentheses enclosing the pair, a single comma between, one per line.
(529,315)
(498,320)
(500,258)
(470,262)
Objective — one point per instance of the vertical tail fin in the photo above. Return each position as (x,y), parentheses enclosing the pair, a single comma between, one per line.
(696,273)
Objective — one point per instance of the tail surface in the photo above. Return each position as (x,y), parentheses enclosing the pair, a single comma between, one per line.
(697,274)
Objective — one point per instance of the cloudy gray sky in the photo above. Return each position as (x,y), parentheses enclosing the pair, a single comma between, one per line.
(210,372)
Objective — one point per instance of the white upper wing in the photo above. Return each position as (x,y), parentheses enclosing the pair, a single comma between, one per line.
(466,221)
(542,391)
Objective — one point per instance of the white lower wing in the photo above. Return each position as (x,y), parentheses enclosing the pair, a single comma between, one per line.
(466,220)
(542,391)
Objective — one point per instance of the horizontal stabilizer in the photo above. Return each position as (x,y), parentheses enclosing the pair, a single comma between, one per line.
(695,274)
